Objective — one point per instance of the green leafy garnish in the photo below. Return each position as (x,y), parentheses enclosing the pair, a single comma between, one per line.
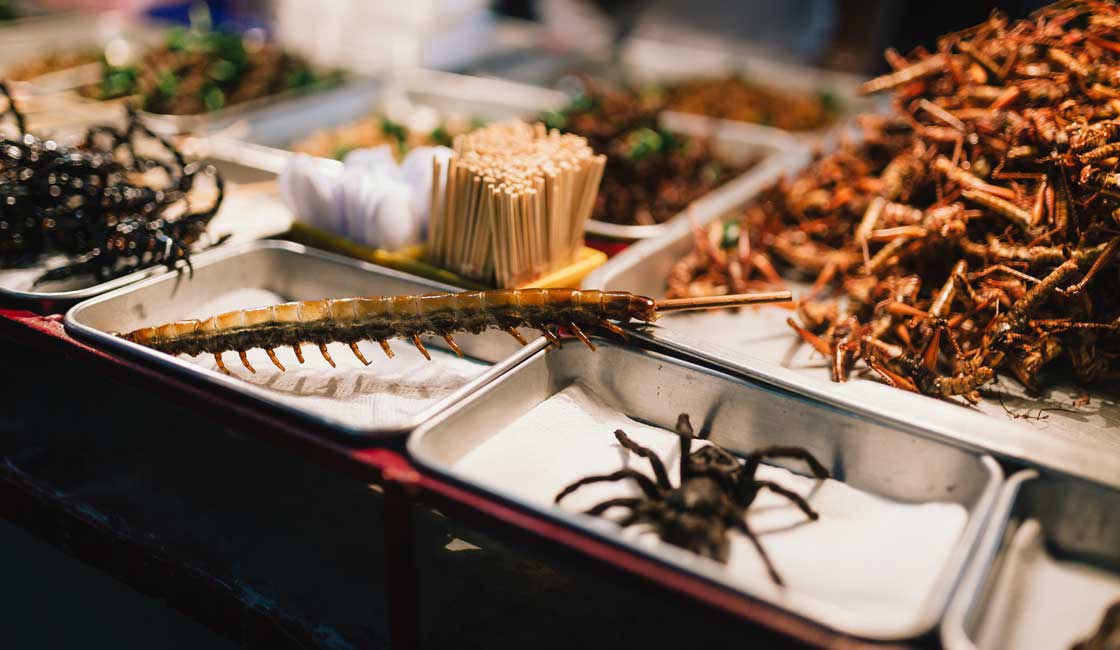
(730,238)
(213,97)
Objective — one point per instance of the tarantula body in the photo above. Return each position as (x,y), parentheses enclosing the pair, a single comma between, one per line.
(712,497)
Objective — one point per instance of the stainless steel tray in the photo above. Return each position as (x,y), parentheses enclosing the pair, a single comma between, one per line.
(252,210)
(887,461)
(270,131)
(1079,440)
(343,402)
(642,60)
(654,61)
(1046,570)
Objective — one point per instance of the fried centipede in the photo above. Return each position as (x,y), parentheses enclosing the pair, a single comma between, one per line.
(380,318)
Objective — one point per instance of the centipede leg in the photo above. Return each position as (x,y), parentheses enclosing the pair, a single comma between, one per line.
(326,355)
(615,329)
(221,364)
(548,334)
(245,361)
(298,351)
(581,336)
(385,348)
(272,357)
(420,346)
(453,345)
(358,353)
(517,335)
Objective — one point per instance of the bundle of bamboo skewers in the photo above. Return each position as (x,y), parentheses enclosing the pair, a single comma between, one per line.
(510,205)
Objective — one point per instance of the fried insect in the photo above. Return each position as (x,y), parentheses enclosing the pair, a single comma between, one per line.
(714,491)
(380,318)
(109,207)
(971,231)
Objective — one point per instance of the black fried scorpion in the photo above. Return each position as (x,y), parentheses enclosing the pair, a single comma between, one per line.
(109,208)
(713,496)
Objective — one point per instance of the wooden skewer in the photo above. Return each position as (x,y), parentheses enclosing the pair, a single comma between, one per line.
(717,302)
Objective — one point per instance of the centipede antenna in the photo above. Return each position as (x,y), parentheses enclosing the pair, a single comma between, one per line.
(272,357)
(358,353)
(453,345)
(221,364)
(326,355)
(420,346)
(517,335)
(581,336)
(720,302)
(299,352)
(245,361)
(386,349)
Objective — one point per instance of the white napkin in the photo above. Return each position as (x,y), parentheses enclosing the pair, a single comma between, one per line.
(866,567)
(368,198)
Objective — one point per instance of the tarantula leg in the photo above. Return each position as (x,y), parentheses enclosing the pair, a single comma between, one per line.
(742,525)
(683,429)
(654,460)
(796,498)
(420,346)
(643,481)
(245,361)
(797,453)
(581,336)
(622,502)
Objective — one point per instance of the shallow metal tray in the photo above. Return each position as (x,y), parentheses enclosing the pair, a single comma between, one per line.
(270,131)
(293,272)
(642,60)
(1046,570)
(252,210)
(1079,440)
(742,414)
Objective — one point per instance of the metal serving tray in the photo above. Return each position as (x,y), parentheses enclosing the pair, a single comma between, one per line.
(1079,440)
(252,210)
(1046,570)
(71,32)
(333,401)
(742,414)
(643,60)
(270,131)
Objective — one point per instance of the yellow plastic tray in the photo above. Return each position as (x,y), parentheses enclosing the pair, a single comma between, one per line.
(411,260)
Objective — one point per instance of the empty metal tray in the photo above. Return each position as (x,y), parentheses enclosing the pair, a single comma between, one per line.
(1046,570)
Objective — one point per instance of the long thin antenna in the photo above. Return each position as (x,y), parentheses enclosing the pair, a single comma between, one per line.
(720,302)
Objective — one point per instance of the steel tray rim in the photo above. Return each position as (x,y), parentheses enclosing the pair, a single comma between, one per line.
(932,610)
(235,387)
(952,632)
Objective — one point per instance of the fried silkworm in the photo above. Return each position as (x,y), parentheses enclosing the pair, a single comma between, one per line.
(350,320)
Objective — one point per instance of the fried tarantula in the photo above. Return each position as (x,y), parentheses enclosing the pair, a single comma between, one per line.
(715,491)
